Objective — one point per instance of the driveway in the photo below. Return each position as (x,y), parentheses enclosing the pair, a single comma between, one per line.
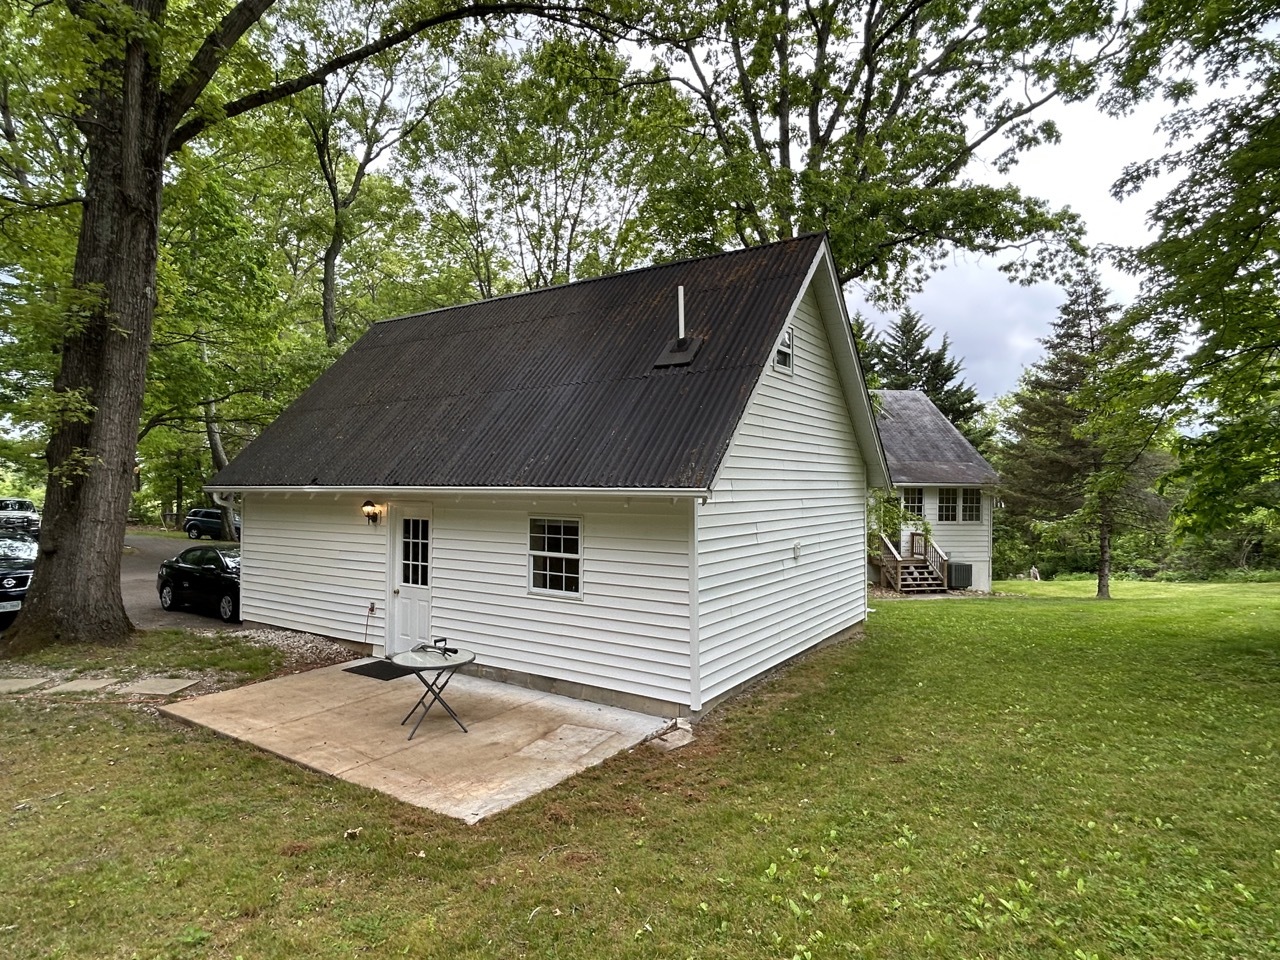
(143,555)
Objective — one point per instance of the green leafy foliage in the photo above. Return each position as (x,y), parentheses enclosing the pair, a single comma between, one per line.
(544,164)
(864,119)
(1068,473)
(1208,310)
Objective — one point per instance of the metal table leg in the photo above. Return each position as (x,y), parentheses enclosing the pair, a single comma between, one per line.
(436,690)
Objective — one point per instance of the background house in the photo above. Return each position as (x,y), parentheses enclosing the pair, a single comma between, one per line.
(595,505)
(941,478)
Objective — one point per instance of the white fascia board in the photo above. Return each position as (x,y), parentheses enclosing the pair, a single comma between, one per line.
(650,493)
(835,314)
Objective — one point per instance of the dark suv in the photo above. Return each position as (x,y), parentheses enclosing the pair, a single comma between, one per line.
(17,564)
(205,522)
(20,515)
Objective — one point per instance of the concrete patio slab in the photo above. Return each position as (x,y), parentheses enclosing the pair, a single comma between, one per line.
(159,686)
(18,684)
(520,743)
(82,686)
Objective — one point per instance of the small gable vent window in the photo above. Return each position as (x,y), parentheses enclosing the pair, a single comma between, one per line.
(947,500)
(783,358)
(555,556)
(971,504)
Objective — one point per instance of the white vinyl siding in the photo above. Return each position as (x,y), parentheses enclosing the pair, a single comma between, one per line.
(781,543)
(313,564)
(963,541)
(628,629)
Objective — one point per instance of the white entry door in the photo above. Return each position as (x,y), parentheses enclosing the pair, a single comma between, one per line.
(411,591)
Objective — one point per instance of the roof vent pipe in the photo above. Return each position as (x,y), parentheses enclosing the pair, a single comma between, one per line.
(683,341)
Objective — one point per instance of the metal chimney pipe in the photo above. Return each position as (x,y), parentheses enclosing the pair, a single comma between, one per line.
(680,302)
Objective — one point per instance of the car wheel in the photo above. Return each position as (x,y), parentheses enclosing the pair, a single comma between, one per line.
(229,608)
(167,600)
(193,532)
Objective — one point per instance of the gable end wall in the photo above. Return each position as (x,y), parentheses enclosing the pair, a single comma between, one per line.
(793,475)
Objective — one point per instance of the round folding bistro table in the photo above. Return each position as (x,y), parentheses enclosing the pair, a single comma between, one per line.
(434,665)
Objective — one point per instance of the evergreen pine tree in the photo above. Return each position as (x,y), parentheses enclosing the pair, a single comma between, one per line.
(867,341)
(905,361)
(1061,464)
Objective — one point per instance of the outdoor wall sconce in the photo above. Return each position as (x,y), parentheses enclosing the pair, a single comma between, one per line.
(371,511)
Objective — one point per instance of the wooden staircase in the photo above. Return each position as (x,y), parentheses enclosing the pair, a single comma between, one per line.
(922,570)
(920,578)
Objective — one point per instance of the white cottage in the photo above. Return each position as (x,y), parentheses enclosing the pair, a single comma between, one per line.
(943,481)
(644,489)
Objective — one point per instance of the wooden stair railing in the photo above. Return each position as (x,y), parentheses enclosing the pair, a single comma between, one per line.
(922,570)
(890,565)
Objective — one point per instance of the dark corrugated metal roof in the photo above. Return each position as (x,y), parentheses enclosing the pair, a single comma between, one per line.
(923,446)
(553,388)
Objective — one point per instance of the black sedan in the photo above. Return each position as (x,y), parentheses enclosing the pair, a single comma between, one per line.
(17,564)
(203,576)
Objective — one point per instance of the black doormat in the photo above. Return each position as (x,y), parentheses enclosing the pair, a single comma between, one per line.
(379,670)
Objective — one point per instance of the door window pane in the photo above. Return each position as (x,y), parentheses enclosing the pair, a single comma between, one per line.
(415,541)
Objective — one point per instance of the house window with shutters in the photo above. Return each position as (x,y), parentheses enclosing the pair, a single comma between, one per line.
(555,556)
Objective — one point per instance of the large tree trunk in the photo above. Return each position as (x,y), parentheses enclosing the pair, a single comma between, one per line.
(75,596)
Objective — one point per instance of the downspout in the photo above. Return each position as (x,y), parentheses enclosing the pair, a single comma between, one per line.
(695,652)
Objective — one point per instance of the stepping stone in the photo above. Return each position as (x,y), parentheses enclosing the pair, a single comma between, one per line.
(14,684)
(160,686)
(83,686)
(672,741)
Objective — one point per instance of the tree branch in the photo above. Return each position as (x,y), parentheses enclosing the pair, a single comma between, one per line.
(181,97)
(210,63)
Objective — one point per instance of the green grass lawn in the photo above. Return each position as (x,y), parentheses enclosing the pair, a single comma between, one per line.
(1038,776)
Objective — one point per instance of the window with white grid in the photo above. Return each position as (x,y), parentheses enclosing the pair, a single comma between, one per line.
(947,500)
(913,501)
(555,556)
(971,504)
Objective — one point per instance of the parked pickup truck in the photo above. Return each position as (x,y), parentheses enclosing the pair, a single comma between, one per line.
(20,515)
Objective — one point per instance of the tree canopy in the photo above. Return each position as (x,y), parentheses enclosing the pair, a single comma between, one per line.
(866,118)
(1060,464)
(1209,309)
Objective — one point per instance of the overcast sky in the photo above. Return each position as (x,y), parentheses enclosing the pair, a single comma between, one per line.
(994,325)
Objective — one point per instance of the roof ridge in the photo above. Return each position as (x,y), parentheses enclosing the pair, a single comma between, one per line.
(606,276)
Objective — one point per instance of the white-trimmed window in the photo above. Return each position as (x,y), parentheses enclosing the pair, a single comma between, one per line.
(555,556)
(971,504)
(784,358)
(913,501)
(947,503)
